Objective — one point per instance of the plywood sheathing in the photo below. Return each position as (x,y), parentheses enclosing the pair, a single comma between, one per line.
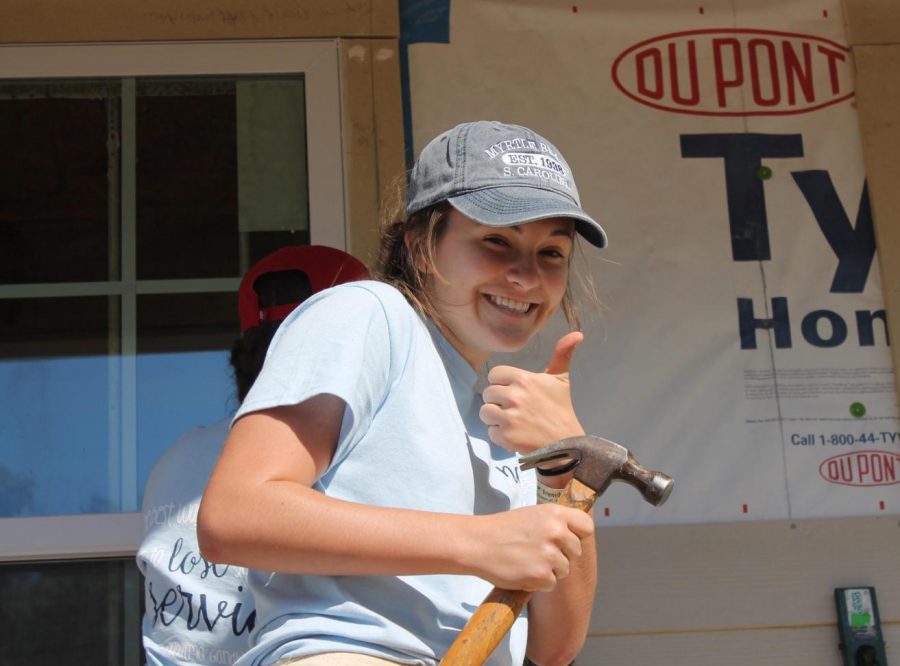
(51,21)
(872,22)
(373,134)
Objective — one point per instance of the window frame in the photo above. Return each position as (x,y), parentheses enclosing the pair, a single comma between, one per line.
(119,534)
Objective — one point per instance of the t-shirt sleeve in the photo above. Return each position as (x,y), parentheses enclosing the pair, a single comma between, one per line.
(338,342)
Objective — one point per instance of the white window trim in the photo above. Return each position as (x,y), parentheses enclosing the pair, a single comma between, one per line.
(69,537)
(120,534)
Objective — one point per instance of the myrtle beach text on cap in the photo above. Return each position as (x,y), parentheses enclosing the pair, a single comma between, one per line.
(499,175)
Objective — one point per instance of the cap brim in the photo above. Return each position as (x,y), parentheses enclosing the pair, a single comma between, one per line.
(511,205)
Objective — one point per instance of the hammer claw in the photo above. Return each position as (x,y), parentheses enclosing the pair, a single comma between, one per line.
(567,458)
(597,462)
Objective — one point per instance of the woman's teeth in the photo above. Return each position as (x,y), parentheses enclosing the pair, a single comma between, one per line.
(508,304)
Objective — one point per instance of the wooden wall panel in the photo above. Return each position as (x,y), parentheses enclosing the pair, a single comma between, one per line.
(872,21)
(759,592)
(373,134)
(33,21)
(802,646)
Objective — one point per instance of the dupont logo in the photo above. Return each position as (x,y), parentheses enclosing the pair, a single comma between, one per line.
(735,72)
(862,468)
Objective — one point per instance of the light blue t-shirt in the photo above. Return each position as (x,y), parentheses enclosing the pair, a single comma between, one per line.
(411,438)
(195,612)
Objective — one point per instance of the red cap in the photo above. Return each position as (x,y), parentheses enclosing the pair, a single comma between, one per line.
(289,276)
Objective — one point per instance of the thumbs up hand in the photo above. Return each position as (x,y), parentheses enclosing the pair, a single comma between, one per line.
(527,410)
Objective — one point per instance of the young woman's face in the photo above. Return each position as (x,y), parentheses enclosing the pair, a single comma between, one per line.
(494,288)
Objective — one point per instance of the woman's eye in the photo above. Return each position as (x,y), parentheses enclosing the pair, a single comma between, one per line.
(554,254)
(496,240)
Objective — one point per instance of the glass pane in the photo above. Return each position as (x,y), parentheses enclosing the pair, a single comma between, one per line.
(186,180)
(85,612)
(183,373)
(261,243)
(218,162)
(272,179)
(57,388)
(55,178)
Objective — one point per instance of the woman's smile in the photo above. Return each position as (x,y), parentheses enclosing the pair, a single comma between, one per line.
(510,305)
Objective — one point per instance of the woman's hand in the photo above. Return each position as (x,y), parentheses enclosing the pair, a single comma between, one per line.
(527,410)
(531,548)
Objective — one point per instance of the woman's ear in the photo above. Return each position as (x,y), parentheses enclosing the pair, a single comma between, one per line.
(414,249)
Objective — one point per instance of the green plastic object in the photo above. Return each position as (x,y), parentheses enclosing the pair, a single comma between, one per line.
(859,624)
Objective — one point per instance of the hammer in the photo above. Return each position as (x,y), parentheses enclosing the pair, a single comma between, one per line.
(596,462)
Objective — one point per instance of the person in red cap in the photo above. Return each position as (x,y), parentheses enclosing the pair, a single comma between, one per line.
(197,612)
(272,288)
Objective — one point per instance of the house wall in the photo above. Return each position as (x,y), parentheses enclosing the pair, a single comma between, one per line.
(761,593)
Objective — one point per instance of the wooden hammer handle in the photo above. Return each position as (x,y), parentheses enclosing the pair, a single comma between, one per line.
(497,613)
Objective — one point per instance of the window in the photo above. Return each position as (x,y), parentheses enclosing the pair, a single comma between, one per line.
(91,607)
(137,183)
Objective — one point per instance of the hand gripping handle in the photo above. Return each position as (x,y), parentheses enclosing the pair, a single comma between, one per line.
(499,610)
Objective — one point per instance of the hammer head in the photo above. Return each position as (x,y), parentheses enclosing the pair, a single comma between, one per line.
(597,462)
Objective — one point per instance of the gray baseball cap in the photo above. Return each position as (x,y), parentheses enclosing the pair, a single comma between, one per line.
(499,175)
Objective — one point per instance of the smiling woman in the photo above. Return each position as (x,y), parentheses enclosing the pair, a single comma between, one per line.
(377,380)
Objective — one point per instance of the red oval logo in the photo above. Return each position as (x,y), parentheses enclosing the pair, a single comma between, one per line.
(735,72)
(862,468)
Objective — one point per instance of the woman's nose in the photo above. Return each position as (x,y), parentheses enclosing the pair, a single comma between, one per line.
(524,272)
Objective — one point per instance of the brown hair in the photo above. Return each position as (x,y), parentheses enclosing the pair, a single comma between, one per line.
(408,244)
(248,353)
